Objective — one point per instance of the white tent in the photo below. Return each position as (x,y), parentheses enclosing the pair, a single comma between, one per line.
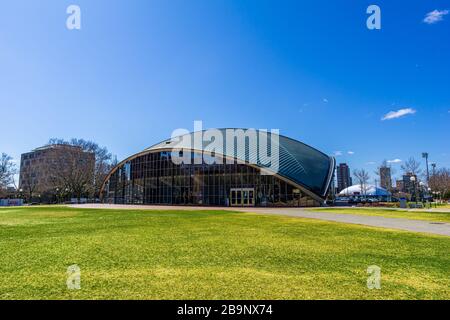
(369,190)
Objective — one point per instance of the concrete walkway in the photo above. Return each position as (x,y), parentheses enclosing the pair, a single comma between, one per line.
(421,226)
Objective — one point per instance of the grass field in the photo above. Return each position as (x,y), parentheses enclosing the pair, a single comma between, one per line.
(211,255)
(392,213)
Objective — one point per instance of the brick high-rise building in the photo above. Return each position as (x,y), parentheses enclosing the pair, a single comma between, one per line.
(344,179)
(41,168)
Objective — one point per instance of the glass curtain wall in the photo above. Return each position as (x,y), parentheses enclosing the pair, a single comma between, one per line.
(154,179)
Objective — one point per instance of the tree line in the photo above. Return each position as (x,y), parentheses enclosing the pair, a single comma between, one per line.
(439,179)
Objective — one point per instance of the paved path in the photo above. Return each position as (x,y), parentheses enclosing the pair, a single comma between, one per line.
(381,222)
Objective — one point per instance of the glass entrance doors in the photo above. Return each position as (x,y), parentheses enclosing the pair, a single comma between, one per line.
(242,197)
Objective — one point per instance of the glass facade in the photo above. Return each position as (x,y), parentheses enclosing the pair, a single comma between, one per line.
(153,178)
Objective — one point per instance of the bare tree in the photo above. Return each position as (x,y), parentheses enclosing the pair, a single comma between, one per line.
(72,170)
(104,160)
(29,183)
(412,166)
(362,176)
(7,170)
(440,181)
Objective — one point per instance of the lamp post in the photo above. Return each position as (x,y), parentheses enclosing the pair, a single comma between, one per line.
(429,197)
(21,195)
(433,174)
(422,189)
(413,180)
(425,155)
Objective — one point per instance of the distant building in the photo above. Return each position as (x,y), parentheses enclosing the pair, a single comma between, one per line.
(385,178)
(8,192)
(370,191)
(37,168)
(408,185)
(10,189)
(344,179)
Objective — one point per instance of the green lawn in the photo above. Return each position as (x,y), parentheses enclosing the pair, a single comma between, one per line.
(392,213)
(211,255)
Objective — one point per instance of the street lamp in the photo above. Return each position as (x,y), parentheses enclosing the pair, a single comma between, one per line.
(21,194)
(425,155)
(422,191)
(433,173)
(413,180)
(429,197)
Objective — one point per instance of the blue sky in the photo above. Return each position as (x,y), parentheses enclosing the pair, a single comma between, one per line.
(137,70)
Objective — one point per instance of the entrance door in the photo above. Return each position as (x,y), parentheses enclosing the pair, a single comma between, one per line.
(242,197)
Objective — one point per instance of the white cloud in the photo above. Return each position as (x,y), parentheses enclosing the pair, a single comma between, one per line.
(435,16)
(371,163)
(338,153)
(398,114)
(325,100)
(394,161)
(350,152)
